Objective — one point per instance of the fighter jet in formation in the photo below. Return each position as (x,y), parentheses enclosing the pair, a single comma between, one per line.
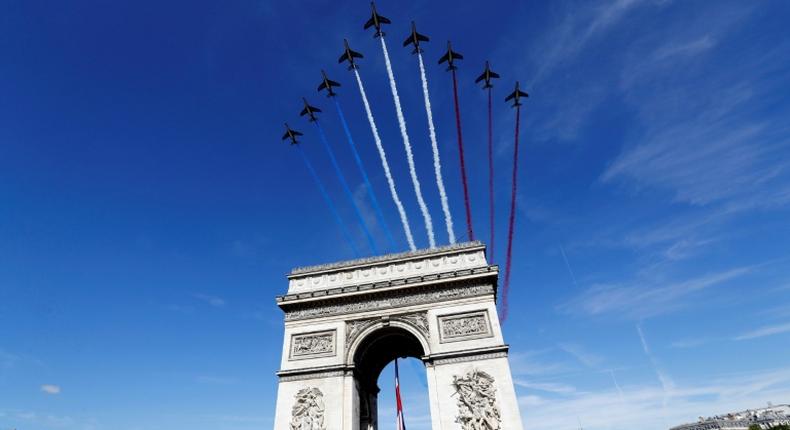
(516,96)
(375,21)
(486,76)
(450,57)
(291,134)
(310,111)
(349,55)
(327,84)
(415,39)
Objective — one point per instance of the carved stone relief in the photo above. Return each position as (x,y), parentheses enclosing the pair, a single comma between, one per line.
(471,325)
(311,345)
(398,300)
(477,405)
(308,410)
(418,320)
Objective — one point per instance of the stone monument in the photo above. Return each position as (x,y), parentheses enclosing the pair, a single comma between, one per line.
(344,322)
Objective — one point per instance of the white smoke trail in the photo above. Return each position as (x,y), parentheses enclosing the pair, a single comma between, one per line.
(437,165)
(383,155)
(409,156)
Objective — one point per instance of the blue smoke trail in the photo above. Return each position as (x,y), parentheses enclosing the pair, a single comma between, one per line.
(376,207)
(328,201)
(346,187)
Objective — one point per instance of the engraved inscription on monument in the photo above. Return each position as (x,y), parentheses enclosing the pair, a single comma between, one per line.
(471,325)
(308,410)
(477,405)
(311,345)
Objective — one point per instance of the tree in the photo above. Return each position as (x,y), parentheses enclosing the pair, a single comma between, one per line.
(755,427)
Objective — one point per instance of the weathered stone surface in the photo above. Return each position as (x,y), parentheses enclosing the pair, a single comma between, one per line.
(344,321)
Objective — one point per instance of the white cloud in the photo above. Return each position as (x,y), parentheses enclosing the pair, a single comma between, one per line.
(211,300)
(551,387)
(584,357)
(641,406)
(50,389)
(765,331)
(642,299)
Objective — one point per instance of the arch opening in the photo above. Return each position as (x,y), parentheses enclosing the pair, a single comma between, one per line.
(377,350)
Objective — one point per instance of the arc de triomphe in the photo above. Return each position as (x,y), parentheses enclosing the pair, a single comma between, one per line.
(344,322)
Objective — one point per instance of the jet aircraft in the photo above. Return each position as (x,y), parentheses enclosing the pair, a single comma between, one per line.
(327,84)
(486,76)
(516,96)
(291,134)
(375,21)
(415,39)
(450,57)
(310,111)
(349,55)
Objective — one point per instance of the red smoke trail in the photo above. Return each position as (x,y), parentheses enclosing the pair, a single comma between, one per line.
(511,222)
(490,176)
(469,230)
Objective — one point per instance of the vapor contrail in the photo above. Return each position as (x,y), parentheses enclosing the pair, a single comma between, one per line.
(371,194)
(467,205)
(511,221)
(667,385)
(409,156)
(346,188)
(383,155)
(437,165)
(491,217)
(328,201)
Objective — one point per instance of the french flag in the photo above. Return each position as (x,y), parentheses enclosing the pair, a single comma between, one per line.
(401,422)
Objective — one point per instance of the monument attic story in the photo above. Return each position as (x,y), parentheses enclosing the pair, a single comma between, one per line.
(421,267)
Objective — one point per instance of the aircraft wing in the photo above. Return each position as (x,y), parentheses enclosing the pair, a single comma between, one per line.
(296,133)
(481,77)
(342,58)
(303,112)
(494,74)
(422,38)
(333,83)
(355,54)
(511,96)
(408,41)
(370,23)
(445,57)
(458,56)
(322,86)
(383,20)
(522,94)
(286,136)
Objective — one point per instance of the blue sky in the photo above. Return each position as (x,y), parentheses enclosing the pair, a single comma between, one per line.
(150,211)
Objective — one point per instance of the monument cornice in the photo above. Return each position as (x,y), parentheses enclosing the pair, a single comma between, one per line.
(449,286)
(395,284)
(387,259)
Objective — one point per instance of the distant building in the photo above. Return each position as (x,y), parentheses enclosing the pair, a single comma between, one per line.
(767,417)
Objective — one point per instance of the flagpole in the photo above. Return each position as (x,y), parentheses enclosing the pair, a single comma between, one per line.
(401,423)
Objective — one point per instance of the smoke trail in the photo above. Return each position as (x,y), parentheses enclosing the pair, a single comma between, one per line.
(373,199)
(383,155)
(409,156)
(491,177)
(345,187)
(328,201)
(437,165)
(511,222)
(467,205)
